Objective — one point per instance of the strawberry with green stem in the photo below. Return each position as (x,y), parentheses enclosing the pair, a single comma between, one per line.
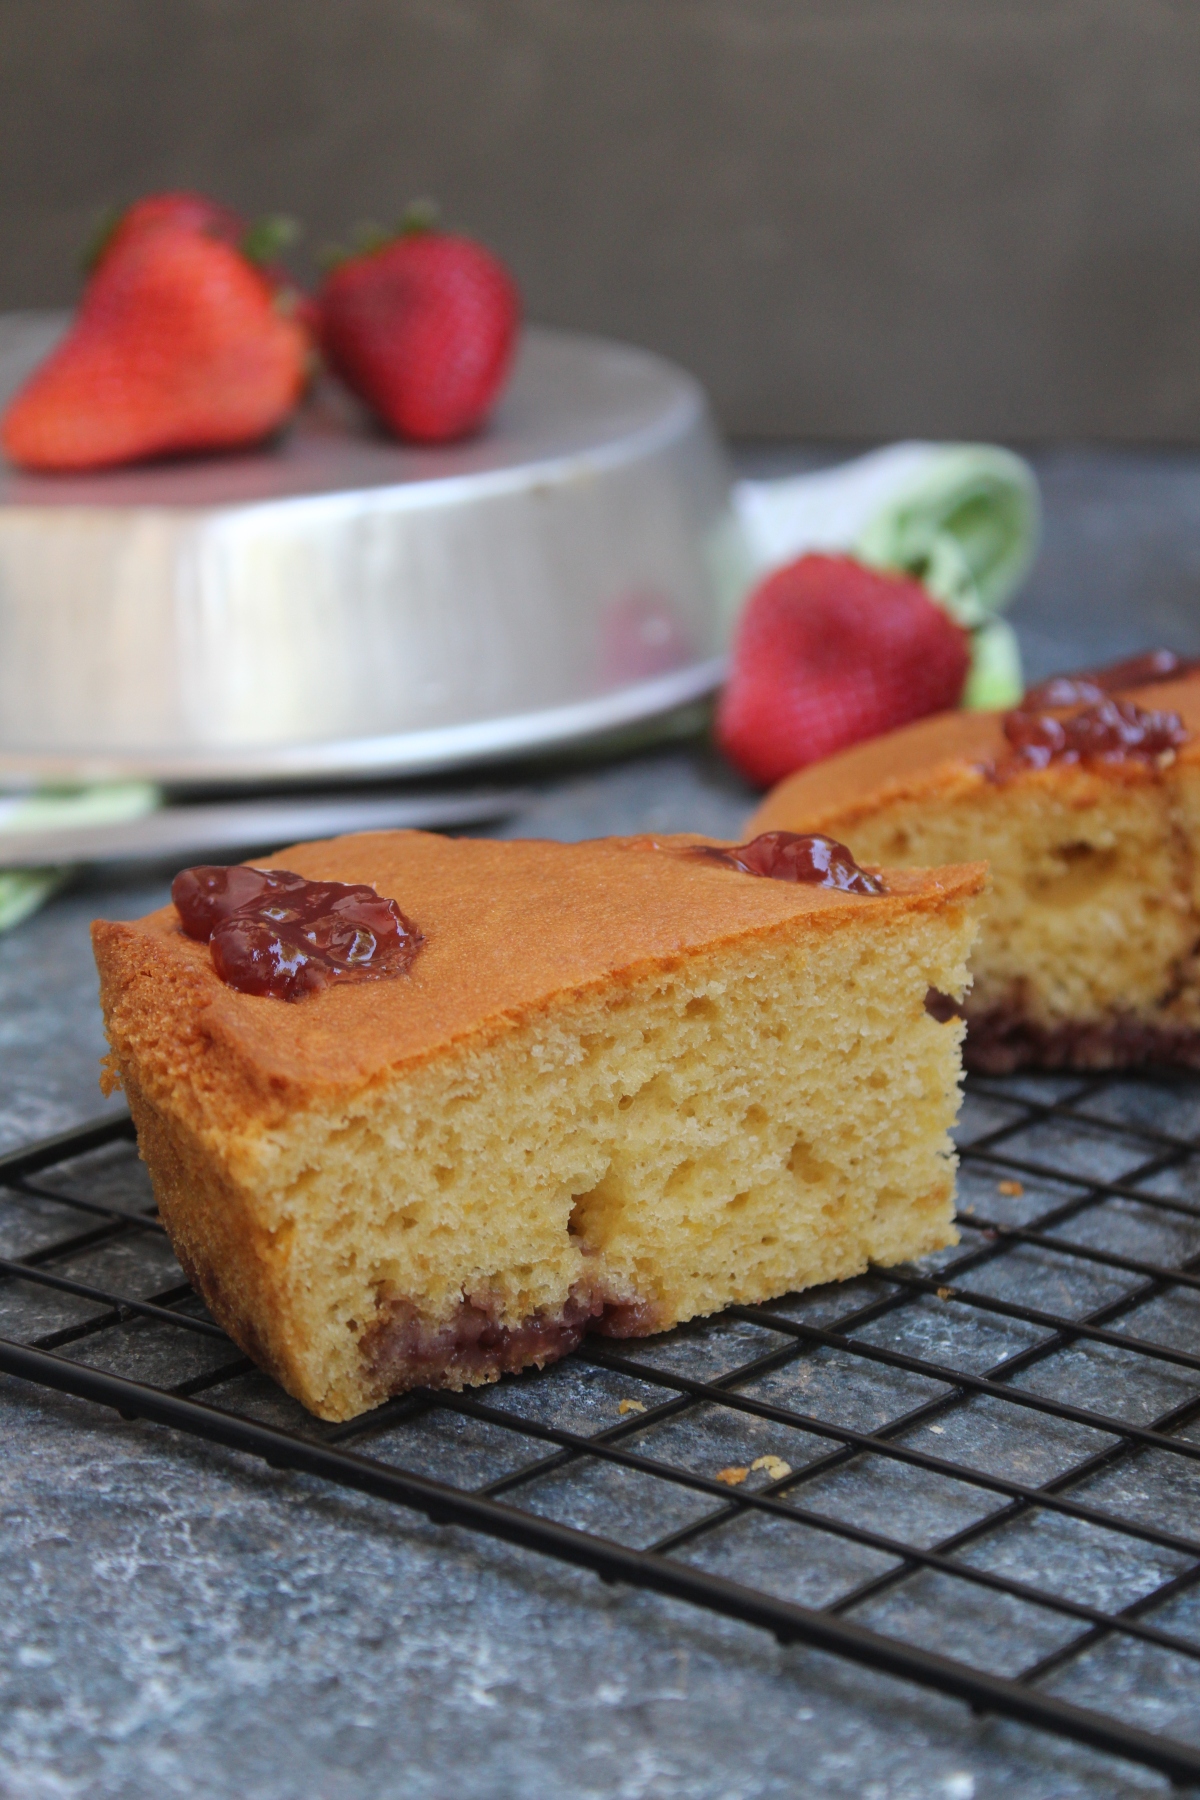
(180,344)
(422,325)
(829,652)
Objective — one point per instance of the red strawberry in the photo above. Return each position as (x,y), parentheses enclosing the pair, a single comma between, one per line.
(423,328)
(179,344)
(261,242)
(184,211)
(829,652)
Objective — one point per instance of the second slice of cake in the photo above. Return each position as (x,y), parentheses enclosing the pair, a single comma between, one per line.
(619,1084)
(1089,948)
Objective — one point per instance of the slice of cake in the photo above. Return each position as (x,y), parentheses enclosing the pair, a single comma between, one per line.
(613,1084)
(1086,803)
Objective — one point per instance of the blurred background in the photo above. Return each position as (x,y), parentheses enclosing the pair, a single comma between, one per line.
(853,219)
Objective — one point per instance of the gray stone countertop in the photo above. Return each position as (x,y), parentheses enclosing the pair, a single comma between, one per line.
(177,1620)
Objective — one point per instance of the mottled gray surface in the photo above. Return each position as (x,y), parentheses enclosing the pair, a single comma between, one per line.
(51,1038)
(181,1621)
(178,1621)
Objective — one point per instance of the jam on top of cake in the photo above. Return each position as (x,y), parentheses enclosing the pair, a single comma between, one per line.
(1091,685)
(1077,718)
(1114,730)
(1144,669)
(793,856)
(274,933)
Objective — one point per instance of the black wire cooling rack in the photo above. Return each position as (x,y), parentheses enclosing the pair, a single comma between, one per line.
(978,1473)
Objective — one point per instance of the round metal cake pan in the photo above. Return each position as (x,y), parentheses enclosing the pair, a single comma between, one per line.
(339,604)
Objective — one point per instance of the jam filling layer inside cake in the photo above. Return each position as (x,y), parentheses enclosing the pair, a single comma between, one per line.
(280,935)
(1005,1038)
(403,1349)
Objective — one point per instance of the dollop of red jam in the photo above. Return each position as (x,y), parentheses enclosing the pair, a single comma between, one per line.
(1091,685)
(1107,730)
(1079,718)
(791,856)
(271,932)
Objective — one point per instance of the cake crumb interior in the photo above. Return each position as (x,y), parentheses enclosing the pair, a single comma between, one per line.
(755,1121)
(1090,917)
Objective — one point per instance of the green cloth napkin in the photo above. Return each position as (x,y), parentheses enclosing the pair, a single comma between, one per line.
(963,518)
(22,891)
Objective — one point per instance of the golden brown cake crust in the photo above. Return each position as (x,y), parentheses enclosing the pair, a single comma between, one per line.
(508,926)
(935,758)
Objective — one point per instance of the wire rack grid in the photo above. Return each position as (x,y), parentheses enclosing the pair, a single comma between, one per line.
(978,1473)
